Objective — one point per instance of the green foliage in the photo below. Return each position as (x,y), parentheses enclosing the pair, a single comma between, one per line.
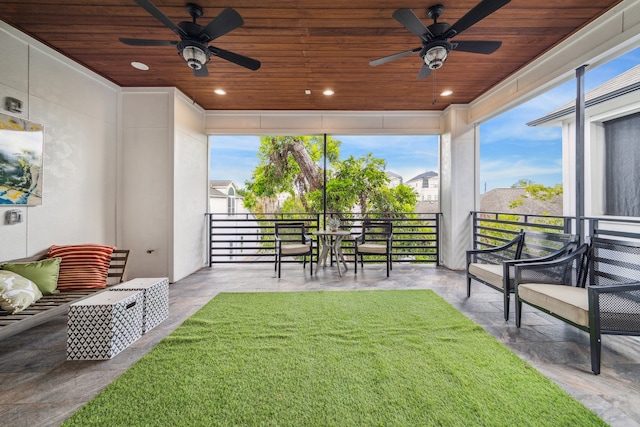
(360,182)
(535,191)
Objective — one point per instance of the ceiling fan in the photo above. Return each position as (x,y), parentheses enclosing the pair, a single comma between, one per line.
(435,38)
(195,38)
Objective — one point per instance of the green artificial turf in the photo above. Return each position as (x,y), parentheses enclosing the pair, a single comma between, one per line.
(362,358)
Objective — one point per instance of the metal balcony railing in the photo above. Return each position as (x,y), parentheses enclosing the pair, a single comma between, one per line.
(492,229)
(245,238)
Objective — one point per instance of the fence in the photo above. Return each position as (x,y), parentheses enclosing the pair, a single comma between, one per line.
(245,238)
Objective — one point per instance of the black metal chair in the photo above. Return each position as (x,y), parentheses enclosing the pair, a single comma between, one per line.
(596,290)
(494,266)
(292,240)
(376,239)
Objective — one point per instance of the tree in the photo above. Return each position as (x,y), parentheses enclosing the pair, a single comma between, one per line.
(535,191)
(291,165)
(288,164)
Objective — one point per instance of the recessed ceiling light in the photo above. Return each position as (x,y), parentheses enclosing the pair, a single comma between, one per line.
(307,92)
(220,92)
(140,66)
(328,92)
(446,93)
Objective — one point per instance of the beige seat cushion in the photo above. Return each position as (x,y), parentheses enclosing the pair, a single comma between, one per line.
(294,249)
(372,248)
(490,273)
(568,302)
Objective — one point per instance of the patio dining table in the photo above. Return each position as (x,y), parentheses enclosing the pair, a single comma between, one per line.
(332,240)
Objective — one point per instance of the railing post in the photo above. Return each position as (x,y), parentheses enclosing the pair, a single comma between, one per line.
(210,239)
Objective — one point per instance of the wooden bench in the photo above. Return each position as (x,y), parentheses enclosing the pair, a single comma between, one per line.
(50,306)
(494,266)
(596,289)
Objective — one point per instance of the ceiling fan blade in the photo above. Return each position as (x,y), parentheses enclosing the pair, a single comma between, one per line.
(477,46)
(241,60)
(478,13)
(145,42)
(411,22)
(393,57)
(228,20)
(156,13)
(202,72)
(425,71)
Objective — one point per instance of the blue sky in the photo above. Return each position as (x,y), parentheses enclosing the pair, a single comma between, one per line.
(509,149)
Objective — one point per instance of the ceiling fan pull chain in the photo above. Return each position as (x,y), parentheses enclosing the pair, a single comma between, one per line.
(434,88)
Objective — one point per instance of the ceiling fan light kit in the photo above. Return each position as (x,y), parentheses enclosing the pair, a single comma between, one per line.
(194,55)
(435,57)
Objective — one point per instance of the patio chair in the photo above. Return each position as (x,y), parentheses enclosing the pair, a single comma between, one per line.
(494,266)
(375,239)
(608,304)
(292,240)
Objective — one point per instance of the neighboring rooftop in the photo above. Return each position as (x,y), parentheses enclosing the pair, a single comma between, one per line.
(424,177)
(625,83)
(499,199)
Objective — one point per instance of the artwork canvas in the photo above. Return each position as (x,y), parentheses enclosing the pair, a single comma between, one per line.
(21,150)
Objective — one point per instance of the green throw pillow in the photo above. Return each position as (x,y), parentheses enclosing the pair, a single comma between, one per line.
(43,273)
(17,292)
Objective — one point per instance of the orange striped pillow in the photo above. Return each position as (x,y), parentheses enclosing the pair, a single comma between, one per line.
(82,266)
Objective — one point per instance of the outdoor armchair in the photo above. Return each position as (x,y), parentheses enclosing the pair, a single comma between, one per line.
(594,289)
(494,266)
(291,239)
(376,239)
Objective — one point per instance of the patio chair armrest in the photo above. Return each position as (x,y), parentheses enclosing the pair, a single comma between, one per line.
(499,253)
(615,308)
(308,239)
(558,271)
(559,253)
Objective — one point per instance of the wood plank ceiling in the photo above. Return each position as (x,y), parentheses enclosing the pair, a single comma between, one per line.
(303,45)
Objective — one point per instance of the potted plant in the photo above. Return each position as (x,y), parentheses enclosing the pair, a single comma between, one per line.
(334,223)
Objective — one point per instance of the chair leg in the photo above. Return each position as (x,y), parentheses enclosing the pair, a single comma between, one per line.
(310,263)
(506,305)
(388,265)
(279,266)
(596,348)
(468,286)
(355,262)
(518,312)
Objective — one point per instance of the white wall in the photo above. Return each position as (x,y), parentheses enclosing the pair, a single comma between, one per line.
(164,183)
(191,188)
(126,168)
(458,185)
(79,113)
(146,180)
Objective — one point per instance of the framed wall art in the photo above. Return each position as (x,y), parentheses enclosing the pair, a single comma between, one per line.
(21,152)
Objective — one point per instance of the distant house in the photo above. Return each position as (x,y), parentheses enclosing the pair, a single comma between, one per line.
(426,186)
(233,223)
(223,197)
(500,199)
(394,179)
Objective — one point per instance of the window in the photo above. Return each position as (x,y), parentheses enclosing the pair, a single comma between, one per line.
(622,157)
(231,205)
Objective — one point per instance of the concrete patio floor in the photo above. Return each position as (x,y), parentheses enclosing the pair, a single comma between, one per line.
(39,387)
